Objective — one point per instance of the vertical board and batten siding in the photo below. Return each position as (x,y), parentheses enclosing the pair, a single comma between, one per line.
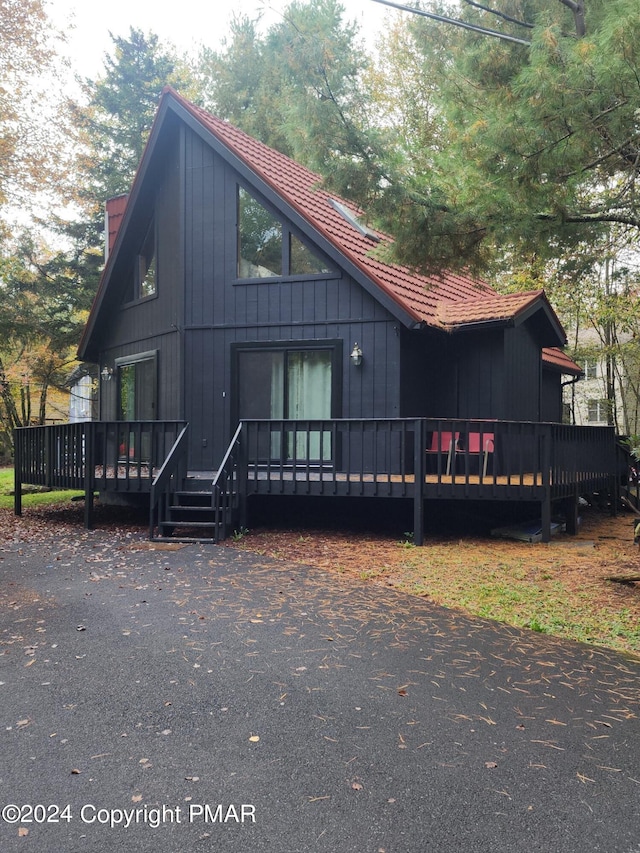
(428,375)
(219,311)
(523,366)
(551,396)
(168,376)
(481,369)
(151,325)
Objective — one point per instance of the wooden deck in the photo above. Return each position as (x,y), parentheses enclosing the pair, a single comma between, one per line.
(419,459)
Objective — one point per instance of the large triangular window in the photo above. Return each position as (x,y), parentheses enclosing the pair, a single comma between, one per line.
(267,249)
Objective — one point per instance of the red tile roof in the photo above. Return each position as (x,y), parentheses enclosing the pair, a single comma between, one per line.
(114,209)
(555,357)
(488,309)
(419,295)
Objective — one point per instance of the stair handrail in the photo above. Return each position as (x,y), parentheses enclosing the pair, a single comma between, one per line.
(167,470)
(228,455)
(219,487)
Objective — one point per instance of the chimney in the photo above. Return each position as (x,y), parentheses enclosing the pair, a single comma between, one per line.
(113,213)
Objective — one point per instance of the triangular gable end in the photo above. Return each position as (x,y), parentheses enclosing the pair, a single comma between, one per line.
(292,212)
(128,213)
(504,310)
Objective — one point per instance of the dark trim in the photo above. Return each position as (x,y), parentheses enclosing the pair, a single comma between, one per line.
(288,279)
(138,358)
(135,357)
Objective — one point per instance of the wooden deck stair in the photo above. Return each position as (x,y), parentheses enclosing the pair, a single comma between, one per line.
(191,514)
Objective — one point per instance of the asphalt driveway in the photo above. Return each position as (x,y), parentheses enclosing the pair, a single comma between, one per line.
(204,699)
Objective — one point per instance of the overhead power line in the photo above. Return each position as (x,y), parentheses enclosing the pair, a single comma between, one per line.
(456,23)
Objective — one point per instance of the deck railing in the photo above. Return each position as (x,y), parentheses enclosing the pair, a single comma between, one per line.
(428,458)
(381,456)
(92,455)
(168,479)
(418,458)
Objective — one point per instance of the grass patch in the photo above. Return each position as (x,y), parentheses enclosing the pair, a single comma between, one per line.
(521,593)
(31,495)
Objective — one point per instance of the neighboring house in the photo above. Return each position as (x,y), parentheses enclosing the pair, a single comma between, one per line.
(608,393)
(83,398)
(588,399)
(237,289)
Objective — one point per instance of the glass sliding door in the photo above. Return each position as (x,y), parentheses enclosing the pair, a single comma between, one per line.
(295,384)
(136,402)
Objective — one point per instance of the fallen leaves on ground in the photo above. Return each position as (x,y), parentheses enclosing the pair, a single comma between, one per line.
(575,586)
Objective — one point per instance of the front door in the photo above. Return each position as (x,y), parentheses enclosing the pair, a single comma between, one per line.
(292,384)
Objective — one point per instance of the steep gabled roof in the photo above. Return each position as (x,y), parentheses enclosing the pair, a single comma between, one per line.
(448,301)
(302,189)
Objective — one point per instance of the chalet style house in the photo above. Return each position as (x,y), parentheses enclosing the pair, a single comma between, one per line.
(250,340)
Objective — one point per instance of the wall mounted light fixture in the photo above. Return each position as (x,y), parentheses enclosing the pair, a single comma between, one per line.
(106,373)
(356,355)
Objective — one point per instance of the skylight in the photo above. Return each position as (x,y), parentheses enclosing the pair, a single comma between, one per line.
(352,219)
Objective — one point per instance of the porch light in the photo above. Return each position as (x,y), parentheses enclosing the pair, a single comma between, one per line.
(356,355)
(106,373)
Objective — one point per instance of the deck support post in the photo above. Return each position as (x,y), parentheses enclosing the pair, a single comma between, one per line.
(545,505)
(88,476)
(546,519)
(242,474)
(614,489)
(571,513)
(419,447)
(17,481)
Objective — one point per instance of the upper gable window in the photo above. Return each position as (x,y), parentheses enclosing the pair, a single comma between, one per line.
(143,279)
(259,239)
(267,249)
(146,277)
(302,261)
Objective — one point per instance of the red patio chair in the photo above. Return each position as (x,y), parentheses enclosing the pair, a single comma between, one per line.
(444,442)
(474,446)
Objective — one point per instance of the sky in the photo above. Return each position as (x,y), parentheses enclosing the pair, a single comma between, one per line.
(186,24)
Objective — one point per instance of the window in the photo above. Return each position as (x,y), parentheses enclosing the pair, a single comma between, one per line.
(597,411)
(590,369)
(147,265)
(266,249)
(143,278)
(259,239)
(136,402)
(302,261)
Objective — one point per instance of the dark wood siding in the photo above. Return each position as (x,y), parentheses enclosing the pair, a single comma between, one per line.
(428,375)
(168,360)
(551,396)
(221,311)
(152,324)
(480,365)
(523,368)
